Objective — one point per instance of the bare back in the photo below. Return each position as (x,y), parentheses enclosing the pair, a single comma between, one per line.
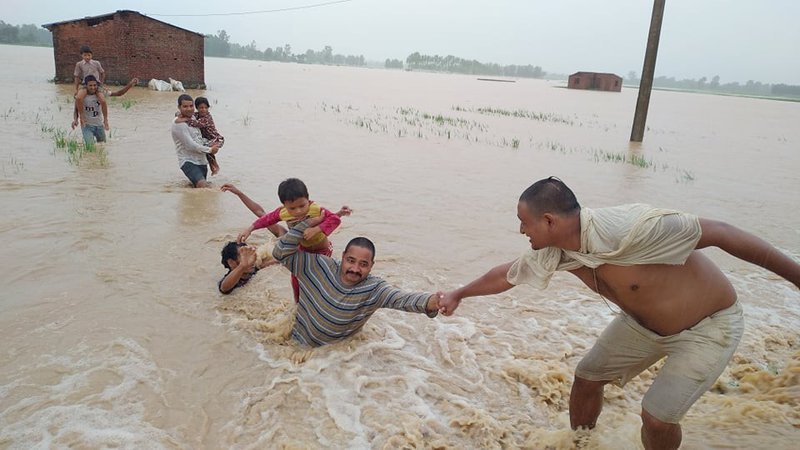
(664,298)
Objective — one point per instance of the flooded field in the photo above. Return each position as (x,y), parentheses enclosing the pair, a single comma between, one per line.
(114,334)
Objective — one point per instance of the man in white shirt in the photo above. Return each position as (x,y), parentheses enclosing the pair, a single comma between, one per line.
(189,144)
(674,301)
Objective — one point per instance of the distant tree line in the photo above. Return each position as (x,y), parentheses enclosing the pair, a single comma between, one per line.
(454,64)
(393,64)
(704,84)
(221,46)
(28,34)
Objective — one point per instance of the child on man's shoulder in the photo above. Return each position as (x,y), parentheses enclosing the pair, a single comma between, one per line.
(293,193)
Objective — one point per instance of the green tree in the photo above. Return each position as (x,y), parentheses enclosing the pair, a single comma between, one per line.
(9,34)
(327,55)
(217,45)
(393,64)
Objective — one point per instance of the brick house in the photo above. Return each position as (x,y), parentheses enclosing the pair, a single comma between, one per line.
(129,44)
(595,80)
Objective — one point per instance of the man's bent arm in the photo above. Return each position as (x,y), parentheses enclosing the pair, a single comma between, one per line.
(492,282)
(182,134)
(285,250)
(748,247)
(125,88)
(104,108)
(228,284)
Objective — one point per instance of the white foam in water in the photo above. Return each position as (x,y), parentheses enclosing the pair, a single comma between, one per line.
(95,398)
(100,253)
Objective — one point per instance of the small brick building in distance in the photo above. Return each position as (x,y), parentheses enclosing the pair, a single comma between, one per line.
(129,44)
(595,80)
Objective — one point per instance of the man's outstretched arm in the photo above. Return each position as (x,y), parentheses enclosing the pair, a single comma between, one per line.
(125,88)
(419,302)
(492,282)
(285,250)
(748,247)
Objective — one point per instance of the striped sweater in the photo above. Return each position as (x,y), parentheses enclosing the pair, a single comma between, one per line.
(329,310)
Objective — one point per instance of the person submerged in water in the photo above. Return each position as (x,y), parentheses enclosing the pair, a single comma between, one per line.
(242,263)
(338,297)
(241,259)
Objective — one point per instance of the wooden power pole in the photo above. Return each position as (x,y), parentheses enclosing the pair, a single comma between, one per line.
(648,71)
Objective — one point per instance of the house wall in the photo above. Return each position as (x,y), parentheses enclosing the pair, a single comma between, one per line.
(130,45)
(597,81)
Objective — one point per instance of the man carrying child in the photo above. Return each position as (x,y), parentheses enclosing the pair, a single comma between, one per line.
(84,68)
(189,144)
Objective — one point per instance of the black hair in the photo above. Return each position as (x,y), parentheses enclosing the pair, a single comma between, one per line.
(85,49)
(90,78)
(184,97)
(201,101)
(363,242)
(550,195)
(230,251)
(292,189)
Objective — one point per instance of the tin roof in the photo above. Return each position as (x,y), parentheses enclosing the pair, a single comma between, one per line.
(582,72)
(110,16)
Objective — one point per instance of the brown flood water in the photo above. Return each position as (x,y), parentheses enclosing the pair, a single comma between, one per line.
(112,333)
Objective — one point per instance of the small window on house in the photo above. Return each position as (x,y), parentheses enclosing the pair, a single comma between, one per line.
(577,81)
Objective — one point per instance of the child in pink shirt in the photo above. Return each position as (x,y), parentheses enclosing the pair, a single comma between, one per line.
(202,119)
(296,208)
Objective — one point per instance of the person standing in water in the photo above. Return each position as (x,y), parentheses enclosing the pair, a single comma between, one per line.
(189,144)
(675,302)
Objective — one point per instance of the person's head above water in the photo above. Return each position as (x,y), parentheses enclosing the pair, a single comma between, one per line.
(548,211)
(230,254)
(293,193)
(201,103)
(550,195)
(357,260)
(91,84)
(185,105)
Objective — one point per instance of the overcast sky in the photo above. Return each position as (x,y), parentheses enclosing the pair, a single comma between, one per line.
(737,40)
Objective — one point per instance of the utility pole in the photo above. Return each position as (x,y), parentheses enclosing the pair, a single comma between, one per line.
(648,71)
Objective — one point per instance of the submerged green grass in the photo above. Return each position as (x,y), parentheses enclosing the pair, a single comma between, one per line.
(408,122)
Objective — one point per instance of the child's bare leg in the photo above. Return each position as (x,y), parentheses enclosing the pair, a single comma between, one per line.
(79,105)
(213,164)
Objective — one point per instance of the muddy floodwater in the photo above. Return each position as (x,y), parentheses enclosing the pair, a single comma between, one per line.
(113,333)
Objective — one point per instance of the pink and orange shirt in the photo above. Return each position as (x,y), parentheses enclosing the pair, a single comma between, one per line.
(330,222)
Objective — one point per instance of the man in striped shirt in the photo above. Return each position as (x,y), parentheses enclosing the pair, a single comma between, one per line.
(337,298)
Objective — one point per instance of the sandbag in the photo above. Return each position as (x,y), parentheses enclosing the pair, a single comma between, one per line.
(159,85)
(176,85)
